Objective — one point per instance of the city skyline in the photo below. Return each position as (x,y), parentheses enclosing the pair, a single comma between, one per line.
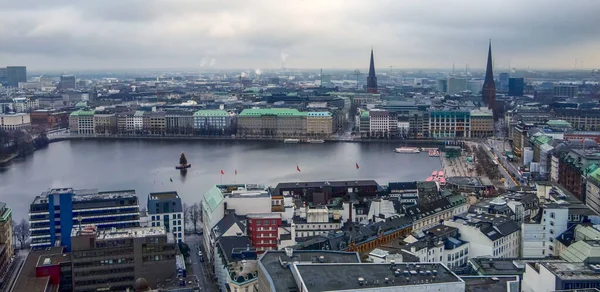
(298,34)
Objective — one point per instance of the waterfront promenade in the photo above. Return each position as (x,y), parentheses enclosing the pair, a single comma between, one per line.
(64,137)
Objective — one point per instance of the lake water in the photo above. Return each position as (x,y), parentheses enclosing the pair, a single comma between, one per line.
(149,166)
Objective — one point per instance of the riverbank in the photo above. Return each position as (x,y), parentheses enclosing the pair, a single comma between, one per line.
(418,142)
(8,159)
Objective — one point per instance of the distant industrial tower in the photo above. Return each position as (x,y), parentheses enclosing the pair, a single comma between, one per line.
(372,79)
(489,87)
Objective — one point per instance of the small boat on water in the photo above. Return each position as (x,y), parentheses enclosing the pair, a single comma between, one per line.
(183,163)
(407,150)
(316,141)
(291,141)
(434,153)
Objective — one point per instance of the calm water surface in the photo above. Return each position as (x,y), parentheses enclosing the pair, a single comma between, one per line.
(148,166)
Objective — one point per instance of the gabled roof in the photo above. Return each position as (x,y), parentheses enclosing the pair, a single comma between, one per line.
(228,221)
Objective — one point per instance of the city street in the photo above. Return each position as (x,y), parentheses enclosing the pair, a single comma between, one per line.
(198,267)
(502,161)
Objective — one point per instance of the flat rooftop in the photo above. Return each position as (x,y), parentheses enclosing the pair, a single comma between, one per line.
(506,266)
(348,276)
(491,283)
(277,264)
(85,194)
(164,195)
(124,232)
(53,259)
(573,271)
(27,280)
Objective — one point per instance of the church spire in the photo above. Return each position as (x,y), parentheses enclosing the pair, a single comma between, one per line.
(488,92)
(372,78)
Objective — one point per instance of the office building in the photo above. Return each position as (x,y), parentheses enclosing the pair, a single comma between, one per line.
(46,269)
(276,122)
(243,198)
(291,270)
(165,210)
(504,79)
(68,208)
(438,244)
(319,124)
(3,76)
(179,122)
(6,240)
(516,86)
(105,123)
(560,276)
(592,190)
(116,258)
(573,168)
(236,264)
(212,122)
(67,82)
(15,121)
(16,74)
(442,85)
(488,235)
(449,123)
(456,85)
(482,123)
(154,123)
(561,90)
(82,122)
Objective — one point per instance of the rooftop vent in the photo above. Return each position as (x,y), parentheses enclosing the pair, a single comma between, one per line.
(321,259)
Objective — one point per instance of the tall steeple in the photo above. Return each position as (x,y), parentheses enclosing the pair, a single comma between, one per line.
(488,92)
(372,79)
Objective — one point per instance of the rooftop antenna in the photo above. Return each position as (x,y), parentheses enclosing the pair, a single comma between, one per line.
(453,66)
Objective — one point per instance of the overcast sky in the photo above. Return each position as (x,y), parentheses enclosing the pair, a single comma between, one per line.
(259,34)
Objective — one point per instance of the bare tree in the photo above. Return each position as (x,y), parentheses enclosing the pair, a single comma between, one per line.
(194,215)
(186,214)
(21,231)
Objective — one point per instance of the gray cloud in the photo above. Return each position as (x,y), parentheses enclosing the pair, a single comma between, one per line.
(315,33)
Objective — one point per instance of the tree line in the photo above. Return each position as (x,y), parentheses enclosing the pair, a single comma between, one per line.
(20,142)
(484,164)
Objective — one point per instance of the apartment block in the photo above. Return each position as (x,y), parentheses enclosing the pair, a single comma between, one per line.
(165,210)
(55,212)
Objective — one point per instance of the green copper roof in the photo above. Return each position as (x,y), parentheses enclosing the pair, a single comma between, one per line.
(82,113)
(543,139)
(558,123)
(213,198)
(211,113)
(272,111)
